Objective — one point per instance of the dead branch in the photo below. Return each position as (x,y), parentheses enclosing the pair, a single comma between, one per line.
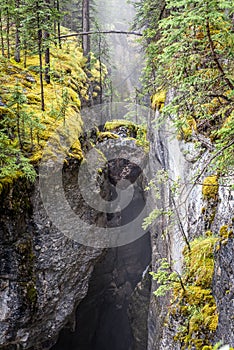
(100,32)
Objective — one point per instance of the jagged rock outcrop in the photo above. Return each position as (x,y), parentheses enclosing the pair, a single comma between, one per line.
(102,318)
(43,274)
(223,290)
(138,312)
(197,214)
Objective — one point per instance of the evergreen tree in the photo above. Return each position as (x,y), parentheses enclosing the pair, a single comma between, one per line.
(190,52)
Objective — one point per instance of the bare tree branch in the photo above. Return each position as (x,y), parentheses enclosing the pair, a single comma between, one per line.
(100,32)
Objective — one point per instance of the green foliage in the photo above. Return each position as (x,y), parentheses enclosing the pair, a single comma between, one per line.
(192,302)
(154,215)
(25,15)
(197,306)
(189,50)
(161,177)
(24,128)
(224,161)
(13,163)
(165,277)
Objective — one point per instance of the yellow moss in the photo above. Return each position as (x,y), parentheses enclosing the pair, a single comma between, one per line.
(158,99)
(210,317)
(197,294)
(214,104)
(200,260)
(68,77)
(33,98)
(197,304)
(139,131)
(209,233)
(68,63)
(199,33)
(76,151)
(225,233)
(210,187)
(106,135)
(116,123)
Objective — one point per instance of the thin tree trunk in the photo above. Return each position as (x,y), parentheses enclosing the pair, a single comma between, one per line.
(100,67)
(18,126)
(47,50)
(180,224)
(55,24)
(101,32)
(8,34)
(17,45)
(85,27)
(25,54)
(47,60)
(1,34)
(59,26)
(39,45)
(17,32)
(41,69)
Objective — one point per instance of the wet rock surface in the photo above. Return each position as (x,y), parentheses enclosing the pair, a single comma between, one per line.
(102,319)
(138,312)
(198,215)
(223,290)
(43,274)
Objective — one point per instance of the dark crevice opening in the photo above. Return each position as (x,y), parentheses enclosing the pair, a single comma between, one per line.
(102,318)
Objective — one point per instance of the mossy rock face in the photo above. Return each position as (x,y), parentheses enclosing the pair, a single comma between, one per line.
(106,135)
(225,233)
(69,86)
(76,151)
(210,187)
(115,125)
(131,130)
(196,306)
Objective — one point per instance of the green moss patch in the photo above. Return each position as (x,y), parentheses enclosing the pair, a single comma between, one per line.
(210,187)
(134,131)
(24,127)
(158,99)
(196,305)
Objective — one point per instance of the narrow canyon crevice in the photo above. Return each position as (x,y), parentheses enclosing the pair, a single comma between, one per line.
(106,318)
(102,320)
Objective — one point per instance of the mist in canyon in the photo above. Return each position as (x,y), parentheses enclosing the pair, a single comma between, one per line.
(125,61)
